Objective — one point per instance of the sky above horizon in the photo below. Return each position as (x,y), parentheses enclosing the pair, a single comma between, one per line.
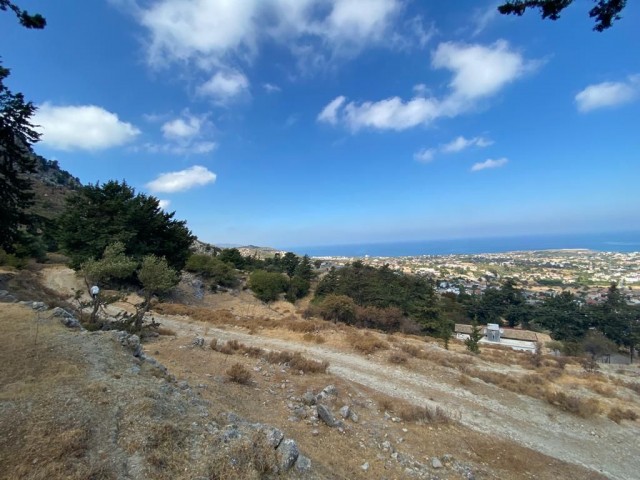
(313,122)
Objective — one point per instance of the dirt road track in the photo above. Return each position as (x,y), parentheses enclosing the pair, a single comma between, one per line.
(597,444)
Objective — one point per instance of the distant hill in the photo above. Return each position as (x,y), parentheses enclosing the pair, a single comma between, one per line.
(51,186)
(246,251)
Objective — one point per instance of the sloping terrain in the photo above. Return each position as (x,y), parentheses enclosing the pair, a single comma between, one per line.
(420,411)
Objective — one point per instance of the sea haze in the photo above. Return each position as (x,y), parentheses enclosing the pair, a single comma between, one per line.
(603,242)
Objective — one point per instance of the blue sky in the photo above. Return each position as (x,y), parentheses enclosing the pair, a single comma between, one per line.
(312,122)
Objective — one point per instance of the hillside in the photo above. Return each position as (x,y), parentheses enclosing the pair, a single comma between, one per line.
(411,409)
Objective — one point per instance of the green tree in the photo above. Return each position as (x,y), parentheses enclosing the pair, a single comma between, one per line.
(604,12)
(17,137)
(267,286)
(219,273)
(473,342)
(338,308)
(563,316)
(27,20)
(156,277)
(97,215)
(233,256)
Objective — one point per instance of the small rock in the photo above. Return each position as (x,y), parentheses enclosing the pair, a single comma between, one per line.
(303,464)
(353,416)
(287,453)
(345,411)
(198,342)
(315,432)
(326,416)
(365,466)
(309,398)
(6,297)
(436,463)
(274,436)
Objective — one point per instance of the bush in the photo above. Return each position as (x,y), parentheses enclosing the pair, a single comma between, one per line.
(583,407)
(219,272)
(238,374)
(618,414)
(398,357)
(303,364)
(338,308)
(267,286)
(367,343)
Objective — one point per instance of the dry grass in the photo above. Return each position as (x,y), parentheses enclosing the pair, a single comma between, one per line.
(296,361)
(247,459)
(618,414)
(413,413)
(583,407)
(398,358)
(238,373)
(166,331)
(366,342)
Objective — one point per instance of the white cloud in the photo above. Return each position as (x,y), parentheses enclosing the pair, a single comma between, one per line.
(329,113)
(82,127)
(225,86)
(182,128)
(608,94)
(183,148)
(391,114)
(454,146)
(489,163)
(164,204)
(425,155)
(216,33)
(271,88)
(478,71)
(482,18)
(195,176)
(462,143)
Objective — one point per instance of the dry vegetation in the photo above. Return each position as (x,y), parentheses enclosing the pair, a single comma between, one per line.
(294,360)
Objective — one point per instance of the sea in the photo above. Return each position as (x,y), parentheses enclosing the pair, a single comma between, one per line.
(602,242)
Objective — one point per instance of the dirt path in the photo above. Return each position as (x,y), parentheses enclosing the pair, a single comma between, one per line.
(597,444)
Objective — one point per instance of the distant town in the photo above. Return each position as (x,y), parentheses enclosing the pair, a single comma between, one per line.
(585,273)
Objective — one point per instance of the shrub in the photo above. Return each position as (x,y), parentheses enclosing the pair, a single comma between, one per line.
(219,272)
(398,357)
(618,414)
(267,286)
(367,343)
(238,374)
(301,363)
(583,407)
(166,331)
(338,308)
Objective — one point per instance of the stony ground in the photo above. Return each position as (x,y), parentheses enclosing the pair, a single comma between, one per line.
(485,431)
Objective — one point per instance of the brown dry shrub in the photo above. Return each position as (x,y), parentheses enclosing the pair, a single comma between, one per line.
(366,342)
(306,365)
(618,414)
(583,407)
(531,384)
(602,389)
(411,349)
(398,357)
(464,380)
(239,374)
(278,357)
(233,345)
(413,413)
(166,331)
(253,352)
(247,458)
(213,343)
